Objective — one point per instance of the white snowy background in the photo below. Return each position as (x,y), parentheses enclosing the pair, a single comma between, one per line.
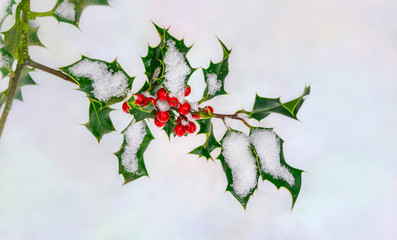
(56,182)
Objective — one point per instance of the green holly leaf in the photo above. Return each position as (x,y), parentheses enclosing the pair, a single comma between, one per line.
(106,83)
(8,11)
(6,61)
(154,68)
(215,76)
(173,47)
(263,107)
(210,143)
(240,166)
(24,80)
(170,125)
(137,137)
(12,39)
(268,147)
(139,112)
(69,11)
(99,122)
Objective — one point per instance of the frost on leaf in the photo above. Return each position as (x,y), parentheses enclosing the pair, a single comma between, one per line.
(137,138)
(215,76)
(239,164)
(66,11)
(267,146)
(176,69)
(70,11)
(102,81)
(269,150)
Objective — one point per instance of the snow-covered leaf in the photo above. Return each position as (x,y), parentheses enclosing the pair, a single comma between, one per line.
(99,122)
(263,107)
(69,11)
(240,165)
(176,67)
(7,10)
(12,39)
(268,147)
(210,143)
(6,61)
(215,76)
(137,137)
(104,82)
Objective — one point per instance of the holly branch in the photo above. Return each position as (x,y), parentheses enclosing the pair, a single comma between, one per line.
(163,99)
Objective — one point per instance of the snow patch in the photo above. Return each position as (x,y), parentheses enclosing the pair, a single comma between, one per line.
(106,84)
(134,136)
(214,85)
(4,61)
(267,146)
(194,106)
(157,73)
(163,105)
(176,69)
(238,156)
(66,11)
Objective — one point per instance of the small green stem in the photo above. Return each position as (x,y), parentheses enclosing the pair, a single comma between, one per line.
(33,15)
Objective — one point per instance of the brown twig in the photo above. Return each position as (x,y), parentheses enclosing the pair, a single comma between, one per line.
(54,72)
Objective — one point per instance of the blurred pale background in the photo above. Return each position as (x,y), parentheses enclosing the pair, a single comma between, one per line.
(56,182)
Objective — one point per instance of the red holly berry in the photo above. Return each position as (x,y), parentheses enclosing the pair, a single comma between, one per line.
(149,100)
(191,127)
(188,90)
(173,101)
(180,118)
(209,108)
(158,123)
(184,108)
(162,94)
(180,130)
(139,99)
(125,107)
(163,116)
(195,116)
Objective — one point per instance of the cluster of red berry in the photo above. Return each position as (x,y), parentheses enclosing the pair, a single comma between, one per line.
(183,124)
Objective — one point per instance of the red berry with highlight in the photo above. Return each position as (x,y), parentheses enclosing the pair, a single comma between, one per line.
(158,123)
(188,90)
(195,116)
(173,101)
(162,94)
(184,108)
(125,107)
(139,99)
(180,130)
(149,100)
(211,110)
(191,127)
(163,116)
